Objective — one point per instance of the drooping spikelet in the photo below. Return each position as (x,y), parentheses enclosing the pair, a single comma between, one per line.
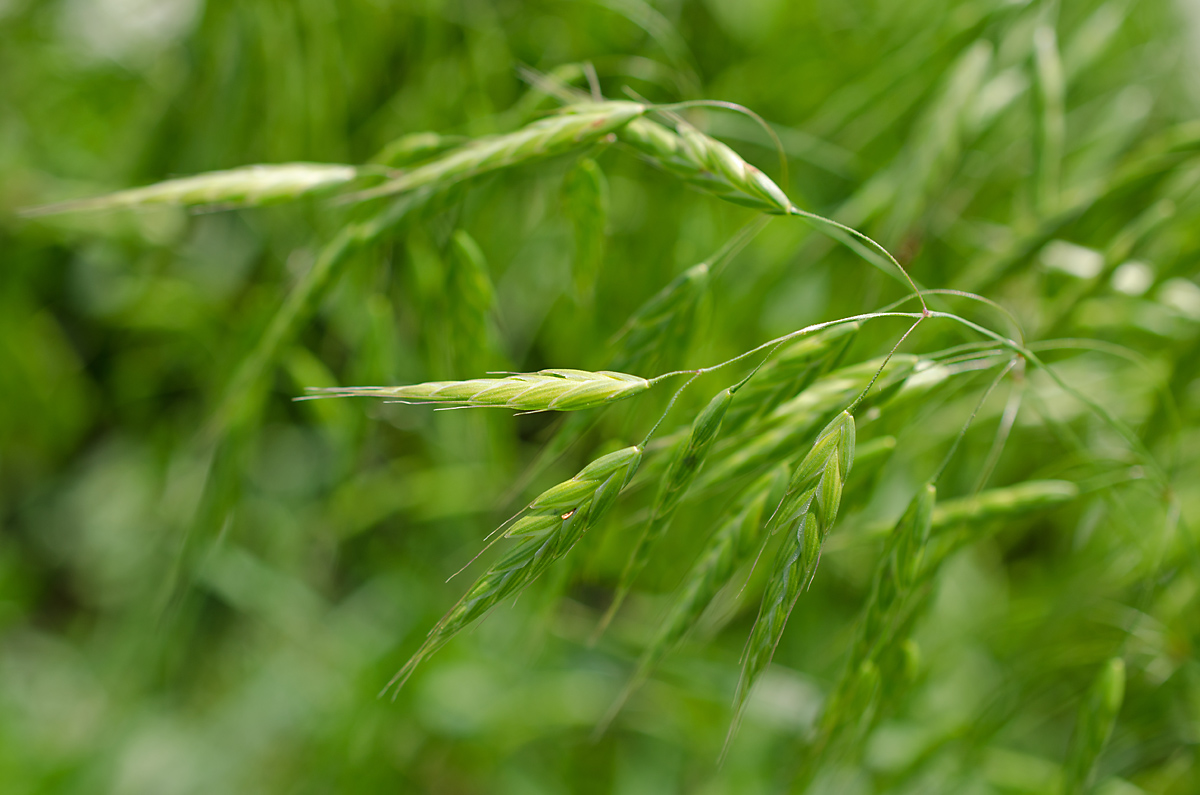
(804,517)
(705,163)
(548,529)
(575,126)
(545,390)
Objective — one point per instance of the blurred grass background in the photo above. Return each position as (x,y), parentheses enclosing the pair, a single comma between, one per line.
(1039,153)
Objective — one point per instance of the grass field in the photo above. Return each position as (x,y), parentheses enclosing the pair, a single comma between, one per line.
(826,389)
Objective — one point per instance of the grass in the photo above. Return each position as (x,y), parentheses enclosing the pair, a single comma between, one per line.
(204,582)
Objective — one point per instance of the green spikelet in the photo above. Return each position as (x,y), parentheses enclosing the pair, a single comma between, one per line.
(1093,727)
(775,437)
(804,517)
(575,126)
(790,371)
(705,163)
(545,390)
(878,642)
(238,187)
(548,529)
(681,473)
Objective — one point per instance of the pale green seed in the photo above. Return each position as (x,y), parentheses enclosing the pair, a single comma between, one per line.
(545,390)
(705,163)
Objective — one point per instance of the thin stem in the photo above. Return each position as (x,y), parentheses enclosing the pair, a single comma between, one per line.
(886,359)
(667,410)
(852,231)
(1007,421)
(962,433)
(780,340)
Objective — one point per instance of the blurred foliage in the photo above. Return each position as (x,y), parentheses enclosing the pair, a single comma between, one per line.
(203,593)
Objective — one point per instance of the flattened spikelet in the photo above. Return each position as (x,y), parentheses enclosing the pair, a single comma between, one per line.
(852,700)
(575,126)
(804,517)
(545,390)
(247,186)
(548,529)
(705,163)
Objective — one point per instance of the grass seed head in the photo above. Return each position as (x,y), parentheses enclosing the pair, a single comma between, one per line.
(804,517)
(734,543)
(706,163)
(238,187)
(574,127)
(556,523)
(545,390)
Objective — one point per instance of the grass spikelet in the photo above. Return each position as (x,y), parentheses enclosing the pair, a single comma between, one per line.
(733,544)
(681,473)
(706,163)
(804,516)
(1097,716)
(548,529)
(585,197)
(545,390)
(238,187)
(851,702)
(575,126)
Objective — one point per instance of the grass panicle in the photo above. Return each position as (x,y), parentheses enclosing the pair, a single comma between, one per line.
(237,187)
(1094,725)
(572,128)
(681,473)
(548,529)
(804,518)
(545,390)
